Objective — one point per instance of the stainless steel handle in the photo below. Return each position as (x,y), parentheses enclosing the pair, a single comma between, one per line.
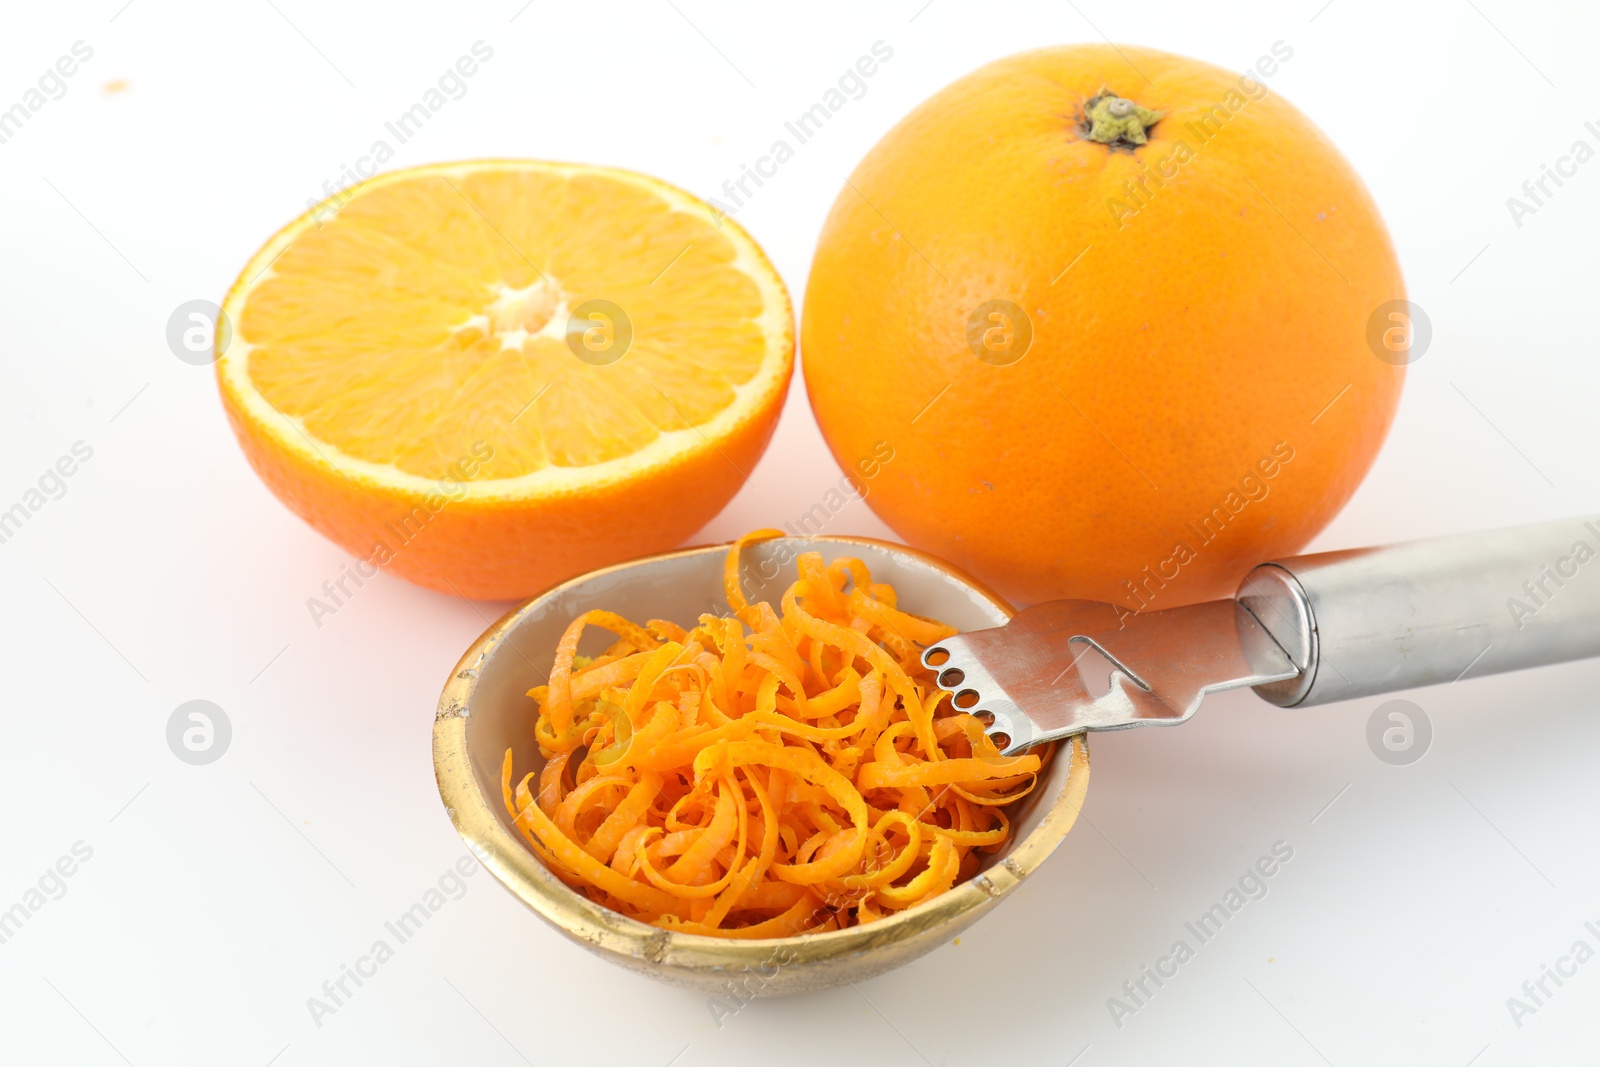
(1373,620)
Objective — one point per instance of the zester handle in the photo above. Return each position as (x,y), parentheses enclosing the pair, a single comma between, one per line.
(1374,620)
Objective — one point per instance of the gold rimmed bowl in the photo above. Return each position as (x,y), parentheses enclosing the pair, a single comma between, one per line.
(484,710)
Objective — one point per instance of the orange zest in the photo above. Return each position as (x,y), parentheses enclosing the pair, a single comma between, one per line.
(768,774)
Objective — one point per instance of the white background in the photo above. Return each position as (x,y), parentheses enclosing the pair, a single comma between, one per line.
(219,898)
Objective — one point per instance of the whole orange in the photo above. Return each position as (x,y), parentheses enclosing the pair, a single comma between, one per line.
(1110,308)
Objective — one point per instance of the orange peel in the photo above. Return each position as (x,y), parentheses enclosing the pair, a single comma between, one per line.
(773,773)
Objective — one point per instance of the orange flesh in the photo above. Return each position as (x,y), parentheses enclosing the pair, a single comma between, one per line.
(409,326)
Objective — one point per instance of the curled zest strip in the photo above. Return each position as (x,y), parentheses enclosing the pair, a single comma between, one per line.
(732,587)
(560,703)
(950,772)
(536,825)
(805,764)
(767,774)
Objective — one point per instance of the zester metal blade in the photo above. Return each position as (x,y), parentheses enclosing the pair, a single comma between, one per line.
(1025,674)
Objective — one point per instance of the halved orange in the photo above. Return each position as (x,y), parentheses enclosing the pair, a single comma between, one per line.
(490,376)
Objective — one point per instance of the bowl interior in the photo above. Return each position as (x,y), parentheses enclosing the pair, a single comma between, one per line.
(487,703)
